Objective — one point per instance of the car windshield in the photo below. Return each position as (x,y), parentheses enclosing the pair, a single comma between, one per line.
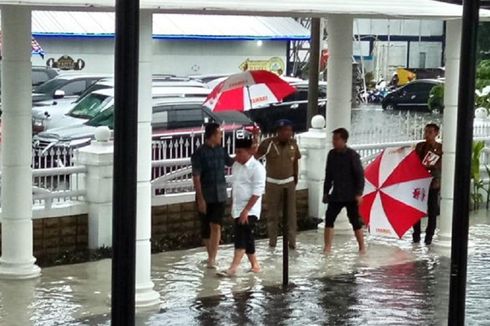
(104,118)
(50,86)
(94,87)
(89,106)
(231,117)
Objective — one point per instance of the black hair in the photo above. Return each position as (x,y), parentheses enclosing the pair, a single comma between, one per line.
(342,132)
(210,129)
(433,126)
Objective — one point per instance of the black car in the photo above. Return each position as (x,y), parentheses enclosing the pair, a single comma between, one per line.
(293,107)
(64,86)
(413,96)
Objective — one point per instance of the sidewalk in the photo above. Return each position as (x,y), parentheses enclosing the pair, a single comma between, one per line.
(396,283)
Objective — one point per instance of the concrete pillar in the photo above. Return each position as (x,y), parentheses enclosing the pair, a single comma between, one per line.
(453,46)
(17,261)
(339,88)
(145,295)
(98,157)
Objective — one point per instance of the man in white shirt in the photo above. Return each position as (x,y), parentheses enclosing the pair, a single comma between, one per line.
(248,188)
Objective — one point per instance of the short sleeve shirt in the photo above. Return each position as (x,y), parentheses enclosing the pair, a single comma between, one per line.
(280,157)
(209,164)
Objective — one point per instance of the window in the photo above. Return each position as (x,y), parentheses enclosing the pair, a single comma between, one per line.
(105,118)
(160,119)
(185,117)
(39,77)
(90,106)
(74,88)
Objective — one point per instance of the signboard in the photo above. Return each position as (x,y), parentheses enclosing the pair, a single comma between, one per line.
(274,64)
(66,62)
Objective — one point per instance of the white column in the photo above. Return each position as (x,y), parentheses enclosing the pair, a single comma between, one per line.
(339,87)
(313,142)
(17,260)
(145,295)
(453,48)
(98,158)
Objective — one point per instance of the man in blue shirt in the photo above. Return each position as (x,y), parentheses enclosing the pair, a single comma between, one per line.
(208,171)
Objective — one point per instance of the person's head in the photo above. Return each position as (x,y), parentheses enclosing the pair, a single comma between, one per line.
(431,132)
(243,146)
(212,134)
(284,129)
(340,137)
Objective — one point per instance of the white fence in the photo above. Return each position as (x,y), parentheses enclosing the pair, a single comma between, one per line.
(56,178)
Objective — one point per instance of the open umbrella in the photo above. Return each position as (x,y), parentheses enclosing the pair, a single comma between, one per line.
(396,192)
(247,90)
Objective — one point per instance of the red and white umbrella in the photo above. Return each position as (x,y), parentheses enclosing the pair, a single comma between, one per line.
(247,90)
(396,192)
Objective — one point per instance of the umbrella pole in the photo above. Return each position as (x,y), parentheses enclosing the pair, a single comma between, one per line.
(466,102)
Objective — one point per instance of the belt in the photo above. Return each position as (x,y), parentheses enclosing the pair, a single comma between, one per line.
(280,181)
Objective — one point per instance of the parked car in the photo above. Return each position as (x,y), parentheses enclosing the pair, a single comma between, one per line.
(41,74)
(172,118)
(413,96)
(97,101)
(68,86)
(293,107)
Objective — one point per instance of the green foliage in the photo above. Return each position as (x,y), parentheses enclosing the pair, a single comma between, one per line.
(477,182)
(436,98)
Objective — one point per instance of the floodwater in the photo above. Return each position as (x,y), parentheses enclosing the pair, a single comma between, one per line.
(396,283)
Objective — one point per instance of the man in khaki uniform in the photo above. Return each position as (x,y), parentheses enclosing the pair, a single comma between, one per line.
(281,154)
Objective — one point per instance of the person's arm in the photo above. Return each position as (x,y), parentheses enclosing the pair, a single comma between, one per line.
(262,149)
(295,164)
(358,177)
(258,184)
(327,184)
(196,179)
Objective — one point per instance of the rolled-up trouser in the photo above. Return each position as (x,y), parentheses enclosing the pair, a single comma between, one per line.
(274,200)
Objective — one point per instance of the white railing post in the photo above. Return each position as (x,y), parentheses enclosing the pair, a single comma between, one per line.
(98,159)
(313,143)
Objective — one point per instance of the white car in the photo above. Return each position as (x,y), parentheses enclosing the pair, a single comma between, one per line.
(100,100)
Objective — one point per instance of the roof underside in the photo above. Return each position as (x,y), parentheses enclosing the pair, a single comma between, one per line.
(420,9)
(170,26)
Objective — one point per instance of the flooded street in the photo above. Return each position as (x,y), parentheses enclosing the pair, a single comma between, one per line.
(396,283)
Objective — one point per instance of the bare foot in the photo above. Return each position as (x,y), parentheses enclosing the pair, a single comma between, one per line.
(211,265)
(362,251)
(327,250)
(255,269)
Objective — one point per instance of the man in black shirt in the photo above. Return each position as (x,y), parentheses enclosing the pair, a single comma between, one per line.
(344,185)
(208,171)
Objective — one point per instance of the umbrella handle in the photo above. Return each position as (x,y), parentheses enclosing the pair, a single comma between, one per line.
(249,97)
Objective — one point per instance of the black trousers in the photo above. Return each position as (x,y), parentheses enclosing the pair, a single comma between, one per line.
(244,235)
(432,212)
(334,209)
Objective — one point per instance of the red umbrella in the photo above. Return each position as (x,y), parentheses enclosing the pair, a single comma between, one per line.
(396,192)
(250,89)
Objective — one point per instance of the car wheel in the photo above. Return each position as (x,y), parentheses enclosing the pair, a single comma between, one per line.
(390,107)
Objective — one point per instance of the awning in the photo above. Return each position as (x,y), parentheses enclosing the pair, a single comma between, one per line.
(170,26)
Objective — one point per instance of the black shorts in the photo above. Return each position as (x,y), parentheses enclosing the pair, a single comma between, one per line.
(244,235)
(334,209)
(215,213)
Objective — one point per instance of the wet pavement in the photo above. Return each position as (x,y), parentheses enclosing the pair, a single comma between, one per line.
(396,283)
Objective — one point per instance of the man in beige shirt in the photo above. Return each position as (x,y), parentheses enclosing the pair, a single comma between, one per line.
(281,154)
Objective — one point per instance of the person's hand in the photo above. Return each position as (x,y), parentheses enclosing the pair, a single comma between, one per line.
(243,219)
(326,199)
(201,206)
(359,200)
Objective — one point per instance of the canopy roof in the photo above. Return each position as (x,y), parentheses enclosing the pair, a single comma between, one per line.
(170,26)
(421,9)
